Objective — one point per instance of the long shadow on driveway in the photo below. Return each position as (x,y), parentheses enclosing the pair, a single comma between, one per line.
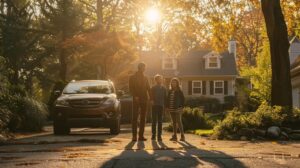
(42,143)
(162,156)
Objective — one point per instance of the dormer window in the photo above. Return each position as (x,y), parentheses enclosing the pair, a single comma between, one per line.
(169,63)
(212,61)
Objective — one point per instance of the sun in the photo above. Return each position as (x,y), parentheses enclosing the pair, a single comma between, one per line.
(152,15)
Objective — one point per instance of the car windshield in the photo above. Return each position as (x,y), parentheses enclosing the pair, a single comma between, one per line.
(88,87)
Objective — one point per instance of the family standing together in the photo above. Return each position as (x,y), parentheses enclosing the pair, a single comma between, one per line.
(162,99)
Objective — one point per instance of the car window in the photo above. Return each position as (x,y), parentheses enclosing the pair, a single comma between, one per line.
(88,87)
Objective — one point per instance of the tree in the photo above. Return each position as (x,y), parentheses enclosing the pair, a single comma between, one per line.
(291,14)
(21,42)
(111,50)
(241,20)
(100,38)
(281,92)
(62,19)
(260,75)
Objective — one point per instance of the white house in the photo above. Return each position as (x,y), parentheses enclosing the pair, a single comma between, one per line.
(294,53)
(201,72)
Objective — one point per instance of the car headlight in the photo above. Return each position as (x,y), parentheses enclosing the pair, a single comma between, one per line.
(109,102)
(62,103)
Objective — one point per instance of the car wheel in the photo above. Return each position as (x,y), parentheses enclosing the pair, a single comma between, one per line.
(59,128)
(115,127)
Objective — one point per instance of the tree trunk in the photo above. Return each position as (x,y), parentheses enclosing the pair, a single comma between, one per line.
(15,77)
(63,64)
(281,93)
(63,51)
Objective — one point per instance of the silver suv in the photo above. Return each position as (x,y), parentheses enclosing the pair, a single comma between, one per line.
(87,103)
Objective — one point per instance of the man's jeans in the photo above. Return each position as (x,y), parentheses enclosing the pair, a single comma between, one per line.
(139,109)
(157,112)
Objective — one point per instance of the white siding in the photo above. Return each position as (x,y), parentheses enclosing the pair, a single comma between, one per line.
(294,52)
(231,87)
(296,100)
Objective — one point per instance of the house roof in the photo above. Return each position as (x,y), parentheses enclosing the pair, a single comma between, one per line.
(189,65)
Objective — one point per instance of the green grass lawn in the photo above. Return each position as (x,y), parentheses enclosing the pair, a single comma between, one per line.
(202,132)
(206,131)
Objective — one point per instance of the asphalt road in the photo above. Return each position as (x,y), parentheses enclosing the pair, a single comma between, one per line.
(96,148)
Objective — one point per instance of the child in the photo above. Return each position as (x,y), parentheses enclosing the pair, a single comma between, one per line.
(174,104)
(158,96)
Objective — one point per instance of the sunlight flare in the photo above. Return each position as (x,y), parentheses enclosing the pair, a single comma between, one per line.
(152,15)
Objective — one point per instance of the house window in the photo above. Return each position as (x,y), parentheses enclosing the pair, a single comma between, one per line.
(213,62)
(197,87)
(219,87)
(169,63)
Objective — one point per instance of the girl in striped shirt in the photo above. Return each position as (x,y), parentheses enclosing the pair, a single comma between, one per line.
(174,104)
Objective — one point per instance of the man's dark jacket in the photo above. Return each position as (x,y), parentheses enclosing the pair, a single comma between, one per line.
(139,86)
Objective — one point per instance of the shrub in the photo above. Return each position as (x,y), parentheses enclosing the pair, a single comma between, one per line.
(27,114)
(230,102)
(18,112)
(294,120)
(194,118)
(15,105)
(234,121)
(210,105)
(35,115)
(5,116)
(264,117)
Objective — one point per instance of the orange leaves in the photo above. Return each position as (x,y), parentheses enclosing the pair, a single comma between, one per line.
(93,40)
(98,45)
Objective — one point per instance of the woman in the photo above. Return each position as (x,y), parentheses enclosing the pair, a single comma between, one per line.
(174,104)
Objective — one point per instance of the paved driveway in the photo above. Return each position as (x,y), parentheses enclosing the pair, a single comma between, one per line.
(96,148)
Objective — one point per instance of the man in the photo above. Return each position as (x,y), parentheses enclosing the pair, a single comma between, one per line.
(158,97)
(140,89)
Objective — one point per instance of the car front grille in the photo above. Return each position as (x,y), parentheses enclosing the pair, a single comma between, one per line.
(86,103)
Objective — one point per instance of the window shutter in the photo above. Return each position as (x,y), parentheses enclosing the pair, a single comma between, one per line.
(190,88)
(211,83)
(226,87)
(204,87)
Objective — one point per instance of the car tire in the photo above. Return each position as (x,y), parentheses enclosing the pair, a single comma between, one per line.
(115,127)
(59,128)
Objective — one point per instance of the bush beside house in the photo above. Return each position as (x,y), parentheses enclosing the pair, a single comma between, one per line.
(209,105)
(194,119)
(19,112)
(230,102)
(253,124)
(23,114)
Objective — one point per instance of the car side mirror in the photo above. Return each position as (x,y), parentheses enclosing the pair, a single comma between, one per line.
(120,93)
(57,93)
